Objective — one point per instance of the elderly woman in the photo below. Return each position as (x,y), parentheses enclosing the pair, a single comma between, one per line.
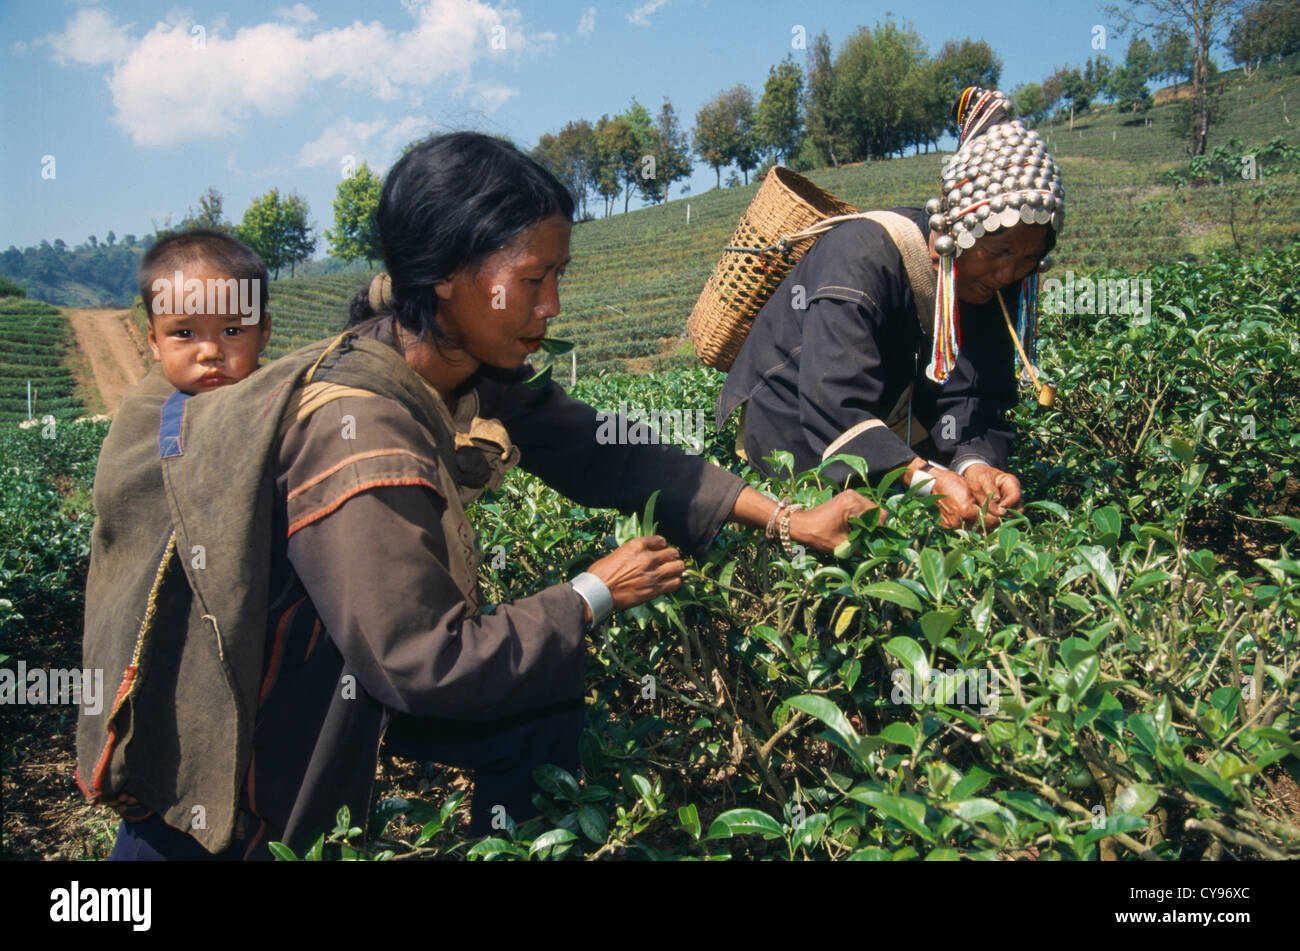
(299,567)
(837,367)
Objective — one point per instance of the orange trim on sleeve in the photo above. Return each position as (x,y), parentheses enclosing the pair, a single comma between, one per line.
(273,667)
(358,457)
(320,513)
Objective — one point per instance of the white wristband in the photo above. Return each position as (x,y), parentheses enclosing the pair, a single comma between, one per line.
(961,467)
(922,482)
(596,595)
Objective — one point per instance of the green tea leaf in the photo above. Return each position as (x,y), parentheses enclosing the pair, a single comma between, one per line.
(743,822)
(895,592)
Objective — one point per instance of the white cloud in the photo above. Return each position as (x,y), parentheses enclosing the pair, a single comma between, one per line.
(641,15)
(346,137)
(298,13)
(90,39)
(167,90)
(492,96)
(370,142)
(587,22)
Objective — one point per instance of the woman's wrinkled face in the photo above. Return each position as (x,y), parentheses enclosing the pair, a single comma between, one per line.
(999,260)
(497,311)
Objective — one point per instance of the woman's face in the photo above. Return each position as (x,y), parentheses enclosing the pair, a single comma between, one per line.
(999,260)
(498,311)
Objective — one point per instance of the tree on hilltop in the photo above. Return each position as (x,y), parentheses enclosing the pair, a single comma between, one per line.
(355,233)
(279,230)
(1204,22)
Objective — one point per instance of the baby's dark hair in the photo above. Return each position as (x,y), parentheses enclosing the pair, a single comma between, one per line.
(216,250)
(447,204)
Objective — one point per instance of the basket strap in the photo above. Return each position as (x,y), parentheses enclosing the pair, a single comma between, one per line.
(907,238)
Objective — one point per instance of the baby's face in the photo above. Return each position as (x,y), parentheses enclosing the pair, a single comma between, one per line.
(201,352)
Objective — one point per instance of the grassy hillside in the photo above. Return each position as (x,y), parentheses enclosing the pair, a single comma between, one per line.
(635,277)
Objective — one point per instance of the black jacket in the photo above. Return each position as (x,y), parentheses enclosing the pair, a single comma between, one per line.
(809,374)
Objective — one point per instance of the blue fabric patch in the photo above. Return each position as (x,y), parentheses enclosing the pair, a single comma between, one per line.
(169,429)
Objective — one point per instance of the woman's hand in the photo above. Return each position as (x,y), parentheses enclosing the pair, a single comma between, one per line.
(640,570)
(827,525)
(957,504)
(1000,490)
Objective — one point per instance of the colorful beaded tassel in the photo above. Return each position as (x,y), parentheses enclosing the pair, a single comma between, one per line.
(1027,320)
(947,340)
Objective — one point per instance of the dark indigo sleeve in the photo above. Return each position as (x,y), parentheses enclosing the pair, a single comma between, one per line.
(840,381)
(565,443)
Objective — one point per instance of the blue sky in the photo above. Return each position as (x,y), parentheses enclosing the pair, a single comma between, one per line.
(117,115)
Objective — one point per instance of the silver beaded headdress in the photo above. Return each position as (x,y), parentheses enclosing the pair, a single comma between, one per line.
(1000,176)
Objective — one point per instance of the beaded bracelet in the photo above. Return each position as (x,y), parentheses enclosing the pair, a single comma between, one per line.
(771,522)
(785,528)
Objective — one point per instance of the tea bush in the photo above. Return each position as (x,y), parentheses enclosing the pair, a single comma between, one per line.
(1112,673)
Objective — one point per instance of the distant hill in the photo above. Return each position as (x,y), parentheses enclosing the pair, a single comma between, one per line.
(101,273)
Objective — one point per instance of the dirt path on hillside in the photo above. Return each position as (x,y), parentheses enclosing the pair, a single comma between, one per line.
(113,351)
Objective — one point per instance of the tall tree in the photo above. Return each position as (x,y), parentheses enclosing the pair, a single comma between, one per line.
(778,122)
(714,134)
(278,229)
(619,149)
(880,75)
(739,100)
(1205,22)
(612,139)
(1173,57)
(823,123)
(209,214)
(1096,73)
(956,66)
(570,156)
(671,151)
(355,233)
(1127,84)
(1030,102)
(299,240)
(1268,29)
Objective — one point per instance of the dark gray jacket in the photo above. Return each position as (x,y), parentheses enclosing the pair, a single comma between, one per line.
(807,375)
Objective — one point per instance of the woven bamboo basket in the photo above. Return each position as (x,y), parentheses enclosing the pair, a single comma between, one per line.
(743,280)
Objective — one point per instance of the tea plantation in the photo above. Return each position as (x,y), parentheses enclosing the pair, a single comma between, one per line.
(35,341)
(635,277)
(1113,674)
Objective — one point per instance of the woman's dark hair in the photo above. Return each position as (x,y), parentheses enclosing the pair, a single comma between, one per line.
(447,204)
